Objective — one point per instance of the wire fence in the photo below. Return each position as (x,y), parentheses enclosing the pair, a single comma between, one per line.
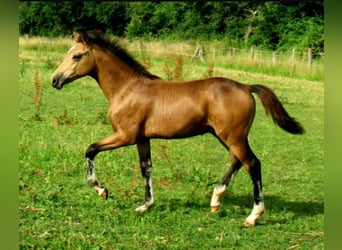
(211,53)
(310,58)
(292,63)
(307,63)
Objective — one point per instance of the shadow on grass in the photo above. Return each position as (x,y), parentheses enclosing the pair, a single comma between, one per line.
(278,204)
(272,203)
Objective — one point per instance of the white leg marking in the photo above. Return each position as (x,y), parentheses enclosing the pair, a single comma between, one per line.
(101,191)
(215,199)
(149,203)
(91,173)
(144,207)
(258,210)
(92,178)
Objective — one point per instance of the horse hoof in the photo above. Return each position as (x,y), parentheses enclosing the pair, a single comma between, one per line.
(248,223)
(214,208)
(103,193)
(141,209)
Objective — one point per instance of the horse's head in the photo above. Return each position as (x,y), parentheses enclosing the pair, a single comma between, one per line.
(78,62)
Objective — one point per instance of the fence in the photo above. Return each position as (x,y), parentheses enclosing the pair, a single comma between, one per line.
(293,62)
(214,55)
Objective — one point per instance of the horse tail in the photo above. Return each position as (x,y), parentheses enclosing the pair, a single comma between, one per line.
(274,108)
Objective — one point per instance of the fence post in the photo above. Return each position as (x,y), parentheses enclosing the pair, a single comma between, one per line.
(310,58)
(232,53)
(274,58)
(214,54)
(141,47)
(293,61)
(198,52)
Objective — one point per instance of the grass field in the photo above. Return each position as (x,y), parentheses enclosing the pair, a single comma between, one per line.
(58,210)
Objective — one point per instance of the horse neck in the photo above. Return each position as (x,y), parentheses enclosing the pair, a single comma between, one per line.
(111,73)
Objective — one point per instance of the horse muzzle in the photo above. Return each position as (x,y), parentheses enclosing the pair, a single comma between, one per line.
(58,81)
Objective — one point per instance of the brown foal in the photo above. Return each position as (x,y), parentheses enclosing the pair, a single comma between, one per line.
(143,106)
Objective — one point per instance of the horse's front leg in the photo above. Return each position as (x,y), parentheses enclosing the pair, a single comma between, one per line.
(146,170)
(92,180)
(111,142)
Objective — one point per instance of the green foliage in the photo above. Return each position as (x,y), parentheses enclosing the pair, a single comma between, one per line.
(275,25)
(61,18)
(282,27)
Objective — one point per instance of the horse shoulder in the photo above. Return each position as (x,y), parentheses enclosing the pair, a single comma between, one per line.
(129,107)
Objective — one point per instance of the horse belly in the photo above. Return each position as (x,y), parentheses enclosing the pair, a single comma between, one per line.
(176,122)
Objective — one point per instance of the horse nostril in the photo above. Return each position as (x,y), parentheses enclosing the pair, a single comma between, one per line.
(54,82)
(58,80)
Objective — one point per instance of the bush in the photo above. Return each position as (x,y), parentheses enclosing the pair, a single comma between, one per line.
(268,25)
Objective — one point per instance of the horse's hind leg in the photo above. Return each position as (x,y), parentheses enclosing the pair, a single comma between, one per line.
(253,167)
(146,170)
(223,184)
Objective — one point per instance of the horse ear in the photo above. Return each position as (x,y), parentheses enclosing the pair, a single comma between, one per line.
(84,38)
(81,37)
(77,36)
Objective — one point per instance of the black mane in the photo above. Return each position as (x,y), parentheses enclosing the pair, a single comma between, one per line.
(114,46)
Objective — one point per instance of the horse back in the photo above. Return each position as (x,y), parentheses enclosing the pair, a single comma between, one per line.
(181,109)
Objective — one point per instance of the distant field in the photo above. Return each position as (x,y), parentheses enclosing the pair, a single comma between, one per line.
(217,54)
(58,210)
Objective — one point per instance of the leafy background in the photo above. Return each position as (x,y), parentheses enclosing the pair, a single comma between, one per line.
(275,25)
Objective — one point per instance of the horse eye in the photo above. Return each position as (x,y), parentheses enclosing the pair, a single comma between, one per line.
(77,57)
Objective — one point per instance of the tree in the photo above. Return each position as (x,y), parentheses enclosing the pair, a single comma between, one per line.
(112,16)
(272,24)
(141,14)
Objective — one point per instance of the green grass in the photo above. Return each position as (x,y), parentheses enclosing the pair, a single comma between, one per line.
(58,210)
(262,62)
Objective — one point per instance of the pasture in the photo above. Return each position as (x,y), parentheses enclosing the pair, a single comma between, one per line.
(58,210)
